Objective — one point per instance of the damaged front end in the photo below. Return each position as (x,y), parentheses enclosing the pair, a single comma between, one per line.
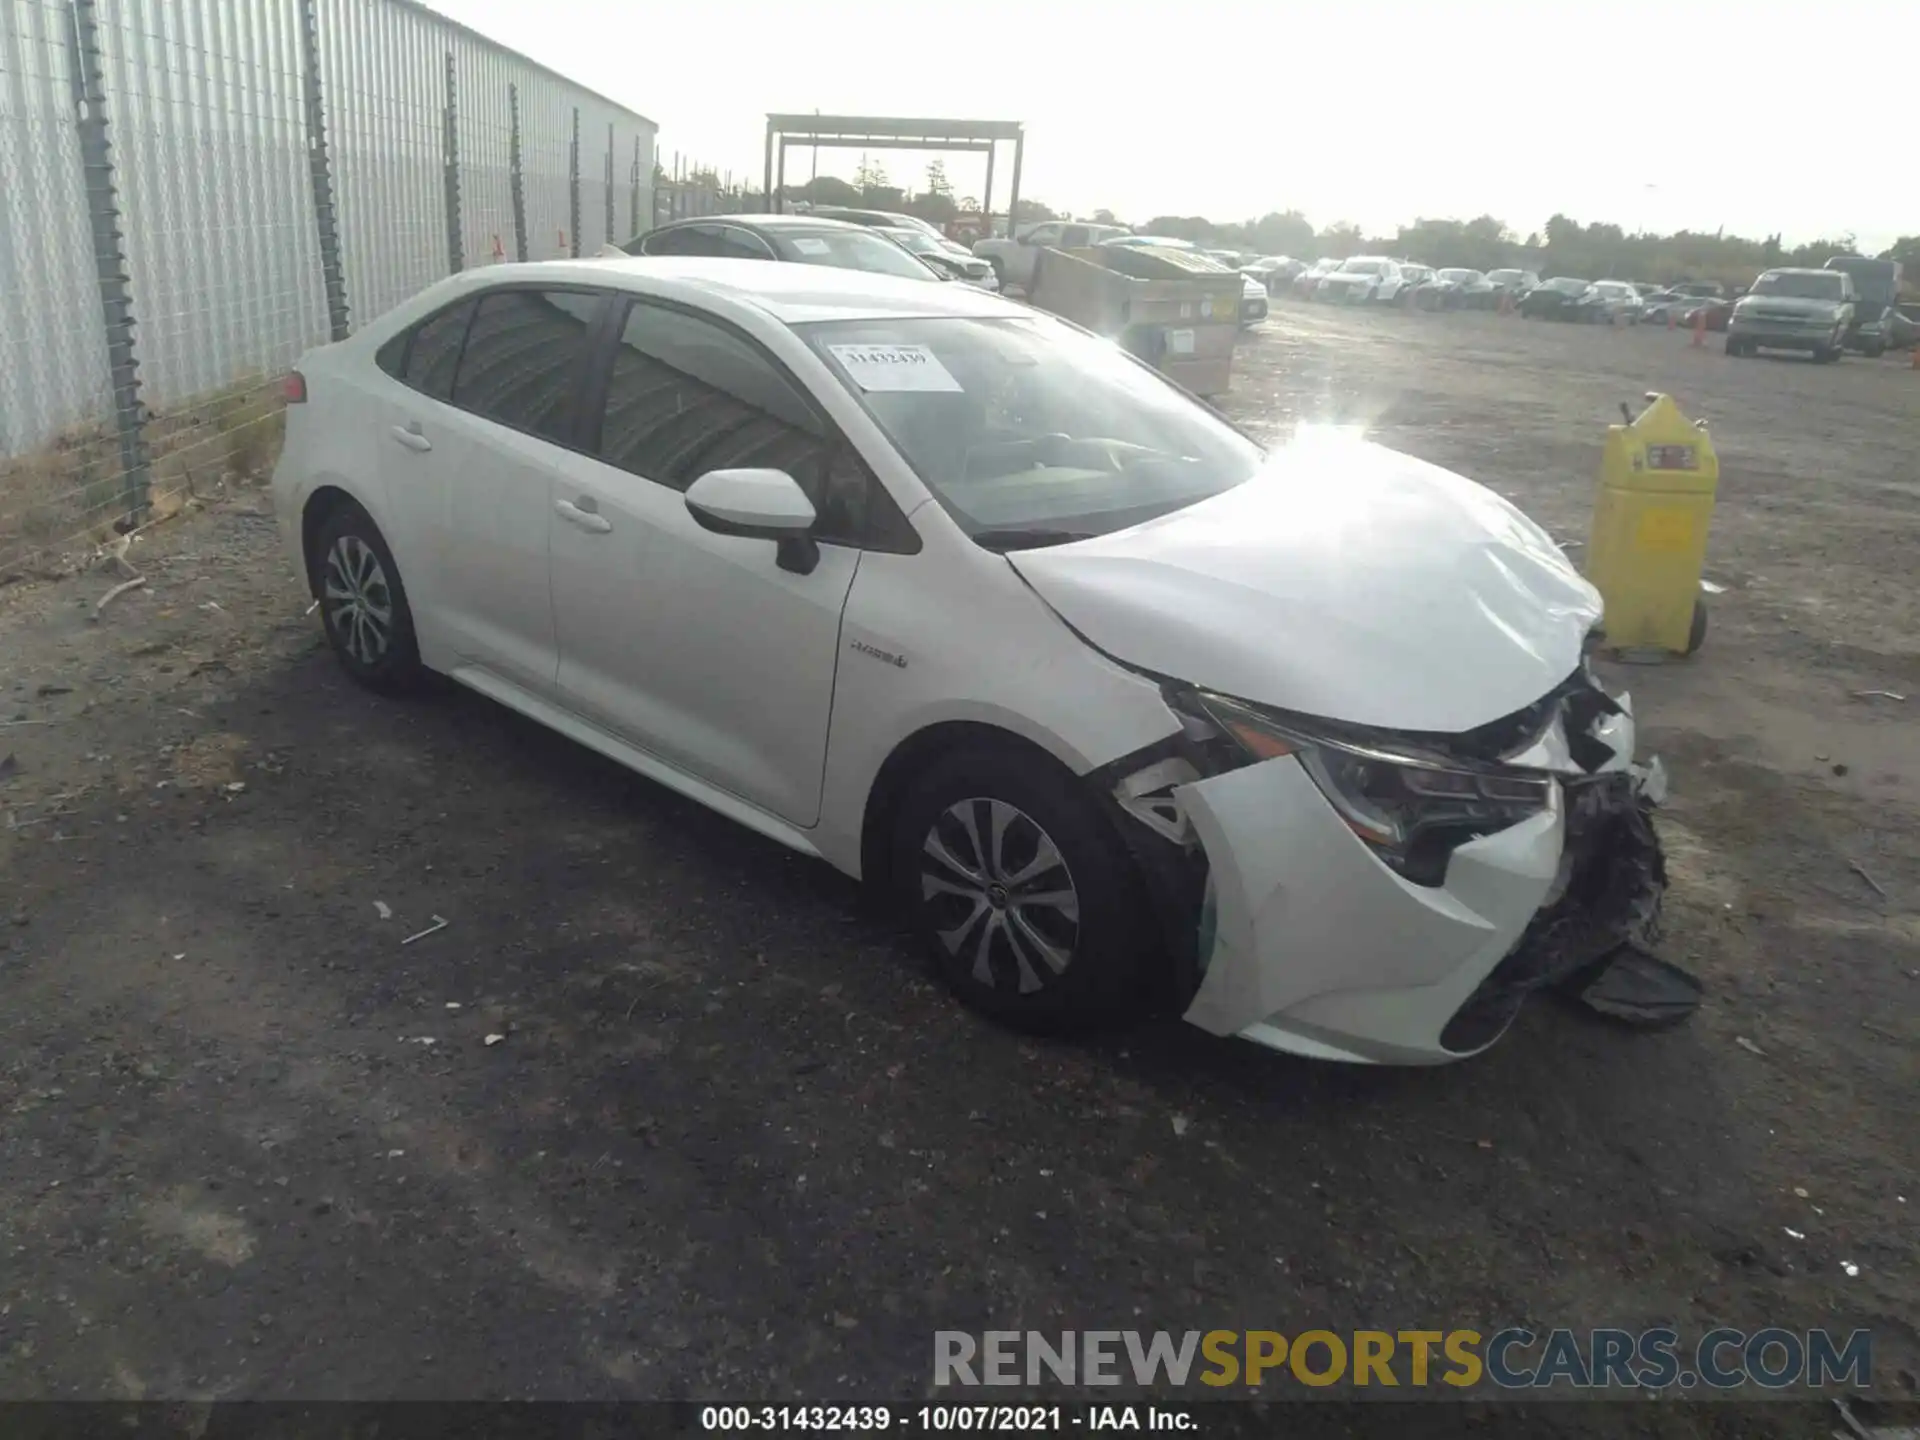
(1356,894)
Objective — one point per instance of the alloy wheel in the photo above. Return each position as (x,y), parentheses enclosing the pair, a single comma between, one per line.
(1000,894)
(358,599)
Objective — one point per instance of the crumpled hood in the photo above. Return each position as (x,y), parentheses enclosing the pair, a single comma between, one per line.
(1346,581)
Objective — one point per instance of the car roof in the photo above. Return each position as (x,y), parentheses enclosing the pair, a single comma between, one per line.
(1798,270)
(762,221)
(790,293)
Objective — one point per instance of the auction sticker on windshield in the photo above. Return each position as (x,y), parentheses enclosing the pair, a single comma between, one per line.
(894,367)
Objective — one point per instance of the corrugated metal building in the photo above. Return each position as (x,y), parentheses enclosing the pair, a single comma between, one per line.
(206,103)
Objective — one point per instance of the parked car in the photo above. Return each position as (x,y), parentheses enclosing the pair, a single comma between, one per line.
(1790,309)
(1276,272)
(1556,299)
(1712,314)
(1013,260)
(1412,278)
(1453,289)
(879,220)
(1702,289)
(1663,303)
(1306,285)
(802,239)
(1612,302)
(984,612)
(1362,280)
(1253,300)
(1876,286)
(1512,286)
(960,266)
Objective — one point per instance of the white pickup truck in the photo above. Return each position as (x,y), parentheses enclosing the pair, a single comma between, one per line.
(1013,260)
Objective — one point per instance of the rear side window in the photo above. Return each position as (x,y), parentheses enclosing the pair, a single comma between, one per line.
(683,240)
(686,395)
(425,356)
(522,362)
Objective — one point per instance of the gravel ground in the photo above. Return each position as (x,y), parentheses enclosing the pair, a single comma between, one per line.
(737,1142)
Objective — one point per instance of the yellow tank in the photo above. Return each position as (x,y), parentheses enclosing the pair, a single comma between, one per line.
(1658,475)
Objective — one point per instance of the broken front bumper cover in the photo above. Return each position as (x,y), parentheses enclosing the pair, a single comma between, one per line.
(1312,945)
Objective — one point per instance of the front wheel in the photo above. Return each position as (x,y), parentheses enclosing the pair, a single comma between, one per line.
(363,604)
(1021,891)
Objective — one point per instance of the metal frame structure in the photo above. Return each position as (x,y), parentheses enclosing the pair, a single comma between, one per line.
(887,132)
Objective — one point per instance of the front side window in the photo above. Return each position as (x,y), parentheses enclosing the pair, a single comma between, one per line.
(1028,431)
(522,362)
(687,395)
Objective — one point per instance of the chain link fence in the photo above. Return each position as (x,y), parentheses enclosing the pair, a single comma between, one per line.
(194,192)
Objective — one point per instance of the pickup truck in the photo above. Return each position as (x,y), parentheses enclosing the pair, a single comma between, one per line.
(1013,260)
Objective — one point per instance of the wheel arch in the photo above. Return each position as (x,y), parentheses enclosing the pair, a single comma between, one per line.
(326,501)
(911,757)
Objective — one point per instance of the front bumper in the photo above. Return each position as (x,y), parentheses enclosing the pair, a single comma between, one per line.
(1781,334)
(1317,948)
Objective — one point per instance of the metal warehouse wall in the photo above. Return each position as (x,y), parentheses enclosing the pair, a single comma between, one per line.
(199,239)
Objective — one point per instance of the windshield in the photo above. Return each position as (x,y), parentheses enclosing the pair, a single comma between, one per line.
(1801,285)
(1566,285)
(1029,428)
(1615,291)
(1503,275)
(1363,267)
(913,240)
(1461,277)
(849,250)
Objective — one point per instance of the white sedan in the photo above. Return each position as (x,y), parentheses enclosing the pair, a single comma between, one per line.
(1362,279)
(971,604)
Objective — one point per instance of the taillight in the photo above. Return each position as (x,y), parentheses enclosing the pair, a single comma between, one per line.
(294,387)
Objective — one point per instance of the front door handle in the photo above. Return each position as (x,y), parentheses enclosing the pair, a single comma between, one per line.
(410,437)
(586,519)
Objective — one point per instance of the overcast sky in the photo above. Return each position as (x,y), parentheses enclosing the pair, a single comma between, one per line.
(1688,113)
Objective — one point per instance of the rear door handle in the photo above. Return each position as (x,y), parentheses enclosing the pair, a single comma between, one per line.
(586,519)
(410,438)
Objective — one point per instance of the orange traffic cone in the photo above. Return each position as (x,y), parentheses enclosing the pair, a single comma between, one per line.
(1700,328)
(1915,353)
(1669,317)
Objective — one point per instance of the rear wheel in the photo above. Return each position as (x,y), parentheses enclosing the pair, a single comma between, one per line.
(363,604)
(1021,891)
(1697,631)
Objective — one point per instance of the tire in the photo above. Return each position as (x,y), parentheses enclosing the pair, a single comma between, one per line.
(1697,631)
(1073,956)
(363,604)
(1736,348)
(1874,352)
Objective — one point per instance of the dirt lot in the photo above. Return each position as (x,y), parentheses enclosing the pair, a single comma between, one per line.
(736,1142)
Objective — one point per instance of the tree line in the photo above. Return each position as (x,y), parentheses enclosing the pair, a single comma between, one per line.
(1564,246)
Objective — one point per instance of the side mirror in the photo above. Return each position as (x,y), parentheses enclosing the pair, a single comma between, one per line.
(758,505)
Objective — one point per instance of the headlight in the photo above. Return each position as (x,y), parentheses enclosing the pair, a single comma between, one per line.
(1413,809)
